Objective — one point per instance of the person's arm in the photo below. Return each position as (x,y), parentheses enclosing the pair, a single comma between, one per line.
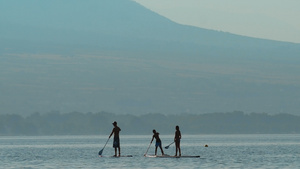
(175,136)
(152,138)
(111,133)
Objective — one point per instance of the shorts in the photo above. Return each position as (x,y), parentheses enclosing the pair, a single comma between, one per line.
(158,144)
(116,143)
(177,141)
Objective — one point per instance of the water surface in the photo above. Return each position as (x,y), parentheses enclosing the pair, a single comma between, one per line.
(223,151)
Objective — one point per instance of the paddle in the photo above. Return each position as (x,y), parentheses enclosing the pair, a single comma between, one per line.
(100,152)
(169,145)
(148,148)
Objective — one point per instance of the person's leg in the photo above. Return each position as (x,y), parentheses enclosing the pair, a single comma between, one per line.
(162,151)
(176,148)
(155,150)
(179,148)
(119,151)
(115,146)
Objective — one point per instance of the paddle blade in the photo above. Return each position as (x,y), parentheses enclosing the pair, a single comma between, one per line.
(100,152)
(169,145)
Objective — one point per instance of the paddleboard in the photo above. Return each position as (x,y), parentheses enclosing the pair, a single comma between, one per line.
(122,156)
(168,156)
(117,156)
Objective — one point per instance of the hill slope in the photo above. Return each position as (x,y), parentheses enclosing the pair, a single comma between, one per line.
(118,56)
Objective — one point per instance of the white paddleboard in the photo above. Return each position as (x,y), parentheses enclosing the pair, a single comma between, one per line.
(118,156)
(122,156)
(168,156)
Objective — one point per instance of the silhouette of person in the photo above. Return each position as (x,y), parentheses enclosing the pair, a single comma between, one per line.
(158,142)
(177,140)
(116,144)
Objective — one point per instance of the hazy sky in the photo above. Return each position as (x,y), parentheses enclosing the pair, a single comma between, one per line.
(270,19)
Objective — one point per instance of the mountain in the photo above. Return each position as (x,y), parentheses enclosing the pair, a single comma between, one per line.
(118,56)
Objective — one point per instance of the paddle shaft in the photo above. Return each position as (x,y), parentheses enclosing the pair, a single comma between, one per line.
(100,152)
(169,145)
(148,148)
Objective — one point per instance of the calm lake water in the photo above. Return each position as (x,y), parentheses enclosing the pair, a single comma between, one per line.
(223,151)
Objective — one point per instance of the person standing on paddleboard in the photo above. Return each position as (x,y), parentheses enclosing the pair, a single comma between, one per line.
(177,140)
(158,142)
(116,144)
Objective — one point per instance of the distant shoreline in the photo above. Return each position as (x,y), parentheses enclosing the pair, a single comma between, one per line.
(76,123)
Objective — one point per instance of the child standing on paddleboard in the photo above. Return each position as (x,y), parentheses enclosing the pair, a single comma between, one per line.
(177,140)
(158,142)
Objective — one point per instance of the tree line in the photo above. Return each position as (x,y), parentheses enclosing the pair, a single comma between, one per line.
(77,123)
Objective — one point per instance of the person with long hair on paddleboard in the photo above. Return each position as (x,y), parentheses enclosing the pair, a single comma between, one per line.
(177,140)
